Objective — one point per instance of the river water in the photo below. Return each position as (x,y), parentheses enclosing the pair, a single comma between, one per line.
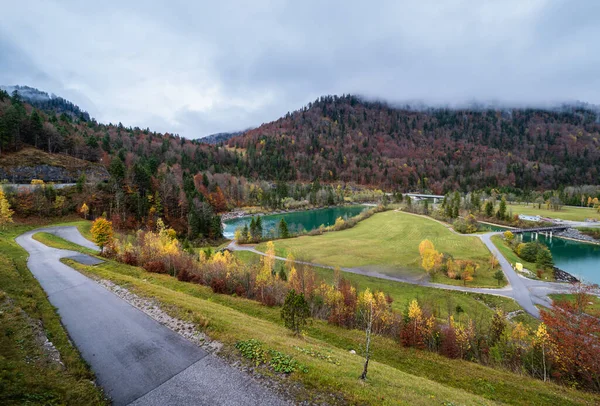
(580,259)
(297,221)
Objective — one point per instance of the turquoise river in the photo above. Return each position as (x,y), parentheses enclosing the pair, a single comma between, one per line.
(297,221)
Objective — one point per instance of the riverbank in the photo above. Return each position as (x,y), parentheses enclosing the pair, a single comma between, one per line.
(575,235)
(239,213)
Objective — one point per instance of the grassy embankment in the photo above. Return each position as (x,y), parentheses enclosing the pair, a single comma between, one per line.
(572,213)
(397,375)
(388,242)
(443,303)
(594,303)
(513,258)
(28,373)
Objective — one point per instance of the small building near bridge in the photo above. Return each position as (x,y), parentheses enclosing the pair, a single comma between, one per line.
(525,217)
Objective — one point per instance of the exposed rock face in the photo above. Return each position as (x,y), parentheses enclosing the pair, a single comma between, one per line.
(48,173)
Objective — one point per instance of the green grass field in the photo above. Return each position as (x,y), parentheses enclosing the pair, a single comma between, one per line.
(388,242)
(566,213)
(513,258)
(397,375)
(27,374)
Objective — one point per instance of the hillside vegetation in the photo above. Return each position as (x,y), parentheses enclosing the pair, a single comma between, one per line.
(398,375)
(317,154)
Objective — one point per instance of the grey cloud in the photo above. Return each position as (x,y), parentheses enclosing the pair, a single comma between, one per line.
(204,67)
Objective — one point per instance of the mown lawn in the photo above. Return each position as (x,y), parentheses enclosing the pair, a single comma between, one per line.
(566,213)
(389,243)
(397,375)
(27,374)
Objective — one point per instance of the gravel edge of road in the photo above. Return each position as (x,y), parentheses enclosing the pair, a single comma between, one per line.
(151,307)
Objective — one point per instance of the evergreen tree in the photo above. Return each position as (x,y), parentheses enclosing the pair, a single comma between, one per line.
(501,214)
(295,311)
(489,208)
(283,229)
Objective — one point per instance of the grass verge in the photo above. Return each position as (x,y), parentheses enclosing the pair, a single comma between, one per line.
(52,240)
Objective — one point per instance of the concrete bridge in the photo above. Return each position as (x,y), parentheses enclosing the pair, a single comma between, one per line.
(538,229)
(421,196)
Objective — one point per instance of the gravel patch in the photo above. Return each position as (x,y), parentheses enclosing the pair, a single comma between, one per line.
(576,235)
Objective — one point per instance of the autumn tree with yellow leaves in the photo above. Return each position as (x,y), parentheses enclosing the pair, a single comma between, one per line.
(5,211)
(372,309)
(84,210)
(431,260)
(102,232)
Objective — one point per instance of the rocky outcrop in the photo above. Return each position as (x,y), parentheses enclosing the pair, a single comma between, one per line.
(562,276)
(575,234)
(56,174)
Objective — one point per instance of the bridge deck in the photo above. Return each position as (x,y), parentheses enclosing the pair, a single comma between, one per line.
(538,229)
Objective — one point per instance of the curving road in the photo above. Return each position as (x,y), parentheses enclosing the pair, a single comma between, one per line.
(527,292)
(137,361)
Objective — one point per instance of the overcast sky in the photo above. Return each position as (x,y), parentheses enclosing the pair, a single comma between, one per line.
(200,67)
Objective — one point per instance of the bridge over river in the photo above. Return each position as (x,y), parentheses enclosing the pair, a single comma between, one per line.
(549,229)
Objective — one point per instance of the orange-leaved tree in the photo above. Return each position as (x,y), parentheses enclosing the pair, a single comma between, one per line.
(574,335)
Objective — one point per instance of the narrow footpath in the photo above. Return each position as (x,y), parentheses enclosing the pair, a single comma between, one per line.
(137,360)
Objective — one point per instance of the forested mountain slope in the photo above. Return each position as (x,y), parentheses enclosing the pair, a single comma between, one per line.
(348,139)
(306,156)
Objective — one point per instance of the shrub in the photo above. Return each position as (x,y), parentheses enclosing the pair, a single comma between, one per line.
(466,226)
(508,236)
(281,362)
(155,266)
(218,285)
(253,350)
(130,258)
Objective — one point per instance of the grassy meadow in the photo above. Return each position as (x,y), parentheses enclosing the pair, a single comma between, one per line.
(571,213)
(388,242)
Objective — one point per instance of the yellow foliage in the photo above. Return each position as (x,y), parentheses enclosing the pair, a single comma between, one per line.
(414,310)
(424,246)
(102,232)
(508,235)
(5,211)
(541,334)
(85,210)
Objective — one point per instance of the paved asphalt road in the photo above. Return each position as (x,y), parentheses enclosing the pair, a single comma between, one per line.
(136,359)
